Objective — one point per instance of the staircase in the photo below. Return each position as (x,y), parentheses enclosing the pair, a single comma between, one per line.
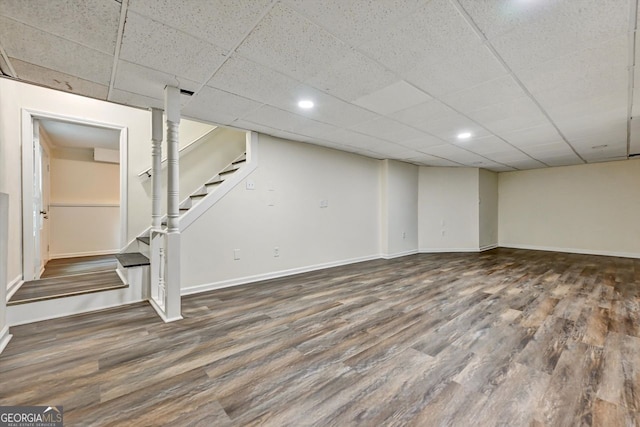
(142,244)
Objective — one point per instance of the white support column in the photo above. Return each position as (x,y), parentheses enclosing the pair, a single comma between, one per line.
(156,168)
(172,283)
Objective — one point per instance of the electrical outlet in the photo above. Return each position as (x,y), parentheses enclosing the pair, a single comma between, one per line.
(276,251)
(251,185)
(236,254)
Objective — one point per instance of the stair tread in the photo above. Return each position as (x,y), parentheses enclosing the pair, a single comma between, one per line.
(228,172)
(239,161)
(200,194)
(144,239)
(132,259)
(218,181)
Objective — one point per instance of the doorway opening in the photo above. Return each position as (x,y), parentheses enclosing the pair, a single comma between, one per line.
(74,195)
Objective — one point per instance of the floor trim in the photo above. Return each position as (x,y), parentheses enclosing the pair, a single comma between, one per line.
(13,286)
(447,250)
(5,337)
(160,313)
(81,254)
(399,254)
(572,250)
(275,275)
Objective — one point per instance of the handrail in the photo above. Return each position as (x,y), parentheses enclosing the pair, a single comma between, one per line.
(199,139)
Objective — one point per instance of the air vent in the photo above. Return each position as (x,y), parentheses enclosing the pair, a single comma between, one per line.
(186,92)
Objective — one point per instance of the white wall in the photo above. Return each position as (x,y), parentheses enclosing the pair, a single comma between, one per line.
(85,204)
(13,97)
(586,208)
(448,209)
(4,221)
(488,211)
(398,208)
(284,211)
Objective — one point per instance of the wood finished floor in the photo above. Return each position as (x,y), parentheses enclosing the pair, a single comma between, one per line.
(71,276)
(79,265)
(506,337)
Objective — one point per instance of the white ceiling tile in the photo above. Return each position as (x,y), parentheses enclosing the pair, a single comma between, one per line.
(611,151)
(569,160)
(518,113)
(346,19)
(427,160)
(145,81)
(395,97)
(135,100)
(526,164)
(609,124)
(92,23)
(283,120)
(220,22)
(217,106)
(420,115)
(351,138)
(499,16)
(248,79)
(452,152)
(326,108)
(389,130)
(537,135)
(46,50)
(485,145)
(436,30)
(352,77)
(548,150)
(464,70)
(58,80)
(286,41)
(500,90)
(596,69)
(153,45)
(509,157)
(448,127)
(567,29)
(423,142)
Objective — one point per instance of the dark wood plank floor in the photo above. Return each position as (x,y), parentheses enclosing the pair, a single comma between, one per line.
(506,337)
(71,276)
(79,265)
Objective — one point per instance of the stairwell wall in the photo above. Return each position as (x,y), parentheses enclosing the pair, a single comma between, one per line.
(284,211)
(15,96)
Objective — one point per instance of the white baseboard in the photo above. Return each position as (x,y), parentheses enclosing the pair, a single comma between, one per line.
(488,247)
(79,254)
(274,275)
(160,313)
(399,254)
(445,250)
(13,286)
(5,337)
(571,250)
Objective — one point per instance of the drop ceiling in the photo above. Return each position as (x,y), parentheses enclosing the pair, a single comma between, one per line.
(537,83)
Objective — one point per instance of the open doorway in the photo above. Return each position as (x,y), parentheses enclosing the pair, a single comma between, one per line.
(74,195)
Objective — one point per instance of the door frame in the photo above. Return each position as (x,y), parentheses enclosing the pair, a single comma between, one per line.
(28,243)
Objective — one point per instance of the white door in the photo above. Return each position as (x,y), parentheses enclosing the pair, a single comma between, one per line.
(38,207)
(44,229)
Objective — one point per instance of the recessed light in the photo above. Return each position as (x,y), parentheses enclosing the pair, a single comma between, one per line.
(305,104)
(464,135)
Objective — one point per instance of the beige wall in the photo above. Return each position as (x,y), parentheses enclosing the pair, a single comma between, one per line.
(284,211)
(85,204)
(587,208)
(448,209)
(399,208)
(14,96)
(488,210)
(77,178)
